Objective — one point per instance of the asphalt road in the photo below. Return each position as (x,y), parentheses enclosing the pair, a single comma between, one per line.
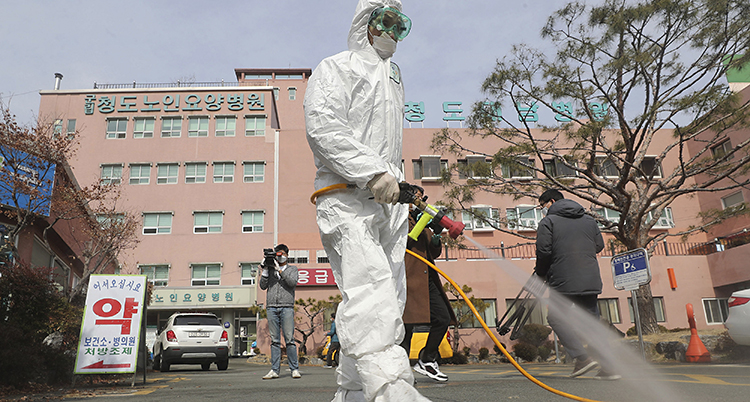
(242,382)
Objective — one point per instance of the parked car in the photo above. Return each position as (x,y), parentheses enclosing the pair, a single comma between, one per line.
(738,322)
(191,338)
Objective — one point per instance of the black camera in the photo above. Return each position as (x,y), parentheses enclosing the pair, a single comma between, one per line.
(269,257)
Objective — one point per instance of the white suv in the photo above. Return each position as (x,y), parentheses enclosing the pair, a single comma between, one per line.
(191,338)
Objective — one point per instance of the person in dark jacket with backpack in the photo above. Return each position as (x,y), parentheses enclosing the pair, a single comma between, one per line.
(566,246)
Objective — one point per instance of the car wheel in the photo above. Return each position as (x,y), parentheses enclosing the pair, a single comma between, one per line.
(157,362)
(222,364)
(206,366)
(165,366)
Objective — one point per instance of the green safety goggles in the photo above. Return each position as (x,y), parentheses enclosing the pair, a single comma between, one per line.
(387,19)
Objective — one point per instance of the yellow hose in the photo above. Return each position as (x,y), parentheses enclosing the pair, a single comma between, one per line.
(494,339)
(332,187)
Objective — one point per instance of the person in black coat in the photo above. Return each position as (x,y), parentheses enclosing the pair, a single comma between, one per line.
(566,246)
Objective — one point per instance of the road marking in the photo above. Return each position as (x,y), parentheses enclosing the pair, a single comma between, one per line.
(149,390)
(704,379)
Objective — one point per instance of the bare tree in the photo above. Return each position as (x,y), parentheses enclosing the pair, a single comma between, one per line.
(313,309)
(37,187)
(624,74)
(462,310)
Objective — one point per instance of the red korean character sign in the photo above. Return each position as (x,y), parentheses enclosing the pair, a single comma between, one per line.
(110,333)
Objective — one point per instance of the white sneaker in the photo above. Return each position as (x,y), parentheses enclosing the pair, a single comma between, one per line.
(271,375)
(430,369)
(296,374)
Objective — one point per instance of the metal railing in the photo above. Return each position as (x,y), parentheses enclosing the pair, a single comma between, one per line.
(178,84)
(528,250)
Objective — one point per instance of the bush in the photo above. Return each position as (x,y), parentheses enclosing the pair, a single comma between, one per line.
(467,351)
(319,351)
(484,353)
(497,349)
(534,334)
(544,352)
(525,351)
(32,309)
(458,358)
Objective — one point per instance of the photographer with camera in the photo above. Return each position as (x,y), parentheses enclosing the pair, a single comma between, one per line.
(279,279)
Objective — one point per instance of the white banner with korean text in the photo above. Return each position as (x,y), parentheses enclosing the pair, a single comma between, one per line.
(111,327)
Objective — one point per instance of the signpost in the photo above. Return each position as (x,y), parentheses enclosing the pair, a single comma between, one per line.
(630,270)
(110,333)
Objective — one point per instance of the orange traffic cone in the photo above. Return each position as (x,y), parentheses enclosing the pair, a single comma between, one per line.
(696,350)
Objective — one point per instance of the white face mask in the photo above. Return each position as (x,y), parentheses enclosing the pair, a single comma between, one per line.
(384,45)
(281,259)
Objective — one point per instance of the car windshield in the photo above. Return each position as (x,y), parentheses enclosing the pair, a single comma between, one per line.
(196,320)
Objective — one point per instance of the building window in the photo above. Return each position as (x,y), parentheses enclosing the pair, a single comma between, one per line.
(538,315)
(255,126)
(249,272)
(717,310)
(253,172)
(429,167)
(206,274)
(157,274)
(609,310)
(732,200)
(557,168)
(608,214)
(198,126)
(171,126)
(481,217)
(57,128)
(226,126)
(143,127)
(166,173)
(665,220)
(476,167)
(106,221)
(522,169)
(195,172)
(322,257)
(111,174)
(650,168)
(276,93)
(140,173)
(157,223)
(223,172)
(292,93)
(252,221)
(207,222)
(117,127)
(721,150)
(488,315)
(299,256)
(71,128)
(604,167)
(523,217)
(658,306)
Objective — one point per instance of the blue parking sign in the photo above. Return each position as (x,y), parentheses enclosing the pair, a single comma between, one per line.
(631,269)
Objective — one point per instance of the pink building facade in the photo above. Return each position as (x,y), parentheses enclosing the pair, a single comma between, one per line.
(219,171)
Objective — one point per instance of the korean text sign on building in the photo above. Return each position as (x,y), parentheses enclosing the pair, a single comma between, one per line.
(110,333)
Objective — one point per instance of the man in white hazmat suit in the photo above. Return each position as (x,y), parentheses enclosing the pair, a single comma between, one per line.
(354,112)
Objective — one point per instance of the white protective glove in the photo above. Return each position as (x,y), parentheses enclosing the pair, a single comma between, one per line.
(385,188)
